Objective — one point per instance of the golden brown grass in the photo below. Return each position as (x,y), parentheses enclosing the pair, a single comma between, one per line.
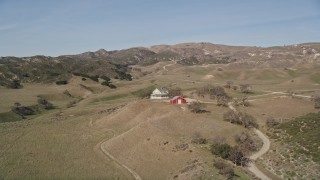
(143,134)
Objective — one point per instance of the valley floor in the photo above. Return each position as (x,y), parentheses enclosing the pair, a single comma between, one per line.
(113,134)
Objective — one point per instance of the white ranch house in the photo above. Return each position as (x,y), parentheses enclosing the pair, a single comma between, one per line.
(159,93)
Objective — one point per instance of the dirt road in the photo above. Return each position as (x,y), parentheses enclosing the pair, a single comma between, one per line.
(265,147)
(132,172)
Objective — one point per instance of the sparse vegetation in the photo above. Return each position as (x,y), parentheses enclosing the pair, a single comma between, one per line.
(225,169)
(271,122)
(316,100)
(228,85)
(45,104)
(303,133)
(10,117)
(244,119)
(199,139)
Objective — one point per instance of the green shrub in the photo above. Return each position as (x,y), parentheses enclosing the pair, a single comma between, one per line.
(45,104)
(14,84)
(22,110)
(221,150)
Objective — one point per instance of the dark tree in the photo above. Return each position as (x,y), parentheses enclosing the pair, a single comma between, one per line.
(316,102)
(199,139)
(246,142)
(22,110)
(17,104)
(15,84)
(218,91)
(223,100)
(245,88)
(197,107)
(228,85)
(221,150)
(249,121)
(175,92)
(238,158)
(235,87)
(62,82)
(244,101)
(232,117)
(46,104)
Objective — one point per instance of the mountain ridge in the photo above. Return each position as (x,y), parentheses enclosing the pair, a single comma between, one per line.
(116,64)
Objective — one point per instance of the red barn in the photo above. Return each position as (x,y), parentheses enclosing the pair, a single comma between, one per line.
(178,100)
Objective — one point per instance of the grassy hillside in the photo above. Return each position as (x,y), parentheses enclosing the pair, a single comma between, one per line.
(48,69)
(303,134)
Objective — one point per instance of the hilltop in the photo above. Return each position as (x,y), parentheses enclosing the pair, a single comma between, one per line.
(116,64)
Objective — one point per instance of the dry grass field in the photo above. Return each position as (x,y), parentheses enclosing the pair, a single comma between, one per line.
(153,138)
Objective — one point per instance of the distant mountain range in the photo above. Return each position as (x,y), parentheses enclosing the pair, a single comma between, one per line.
(114,64)
(207,53)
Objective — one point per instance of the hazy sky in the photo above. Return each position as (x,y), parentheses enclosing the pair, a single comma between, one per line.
(56,27)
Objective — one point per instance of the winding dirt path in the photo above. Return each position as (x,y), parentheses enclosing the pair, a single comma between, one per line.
(102,145)
(132,172)
(265,148)
(164,67)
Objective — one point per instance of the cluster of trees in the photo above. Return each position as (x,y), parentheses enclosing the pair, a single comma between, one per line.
(246,142)
(30,110)
(123,76)
(243,101)
(92,77)
(240,118)
(244,88)
(109,84)
(22,110)
(197,107)
(227,152)
(236,154)
(215,92)
(106,82)
(176,91)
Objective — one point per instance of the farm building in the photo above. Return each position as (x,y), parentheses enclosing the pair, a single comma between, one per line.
(178,100)
(159,93)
